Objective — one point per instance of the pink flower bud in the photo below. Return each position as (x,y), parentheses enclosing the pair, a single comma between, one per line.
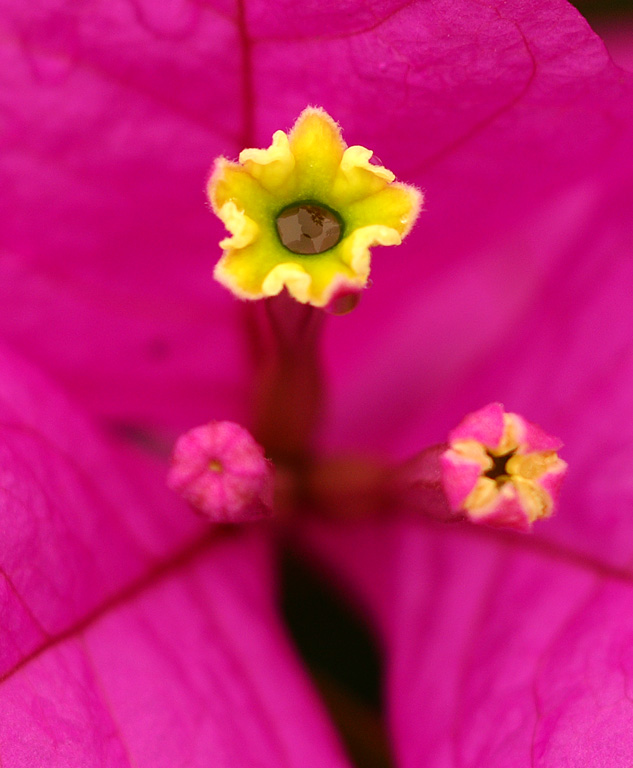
(223,473)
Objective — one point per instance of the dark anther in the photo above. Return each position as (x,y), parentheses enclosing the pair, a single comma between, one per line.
(498,470)
(308,228)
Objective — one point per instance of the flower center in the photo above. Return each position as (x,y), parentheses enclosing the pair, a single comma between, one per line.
(308,228)
(498,472)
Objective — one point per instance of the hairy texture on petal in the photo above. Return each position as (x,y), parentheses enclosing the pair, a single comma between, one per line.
(127,637)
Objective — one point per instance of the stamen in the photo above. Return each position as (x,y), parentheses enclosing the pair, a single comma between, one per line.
(502,470)
(222,472)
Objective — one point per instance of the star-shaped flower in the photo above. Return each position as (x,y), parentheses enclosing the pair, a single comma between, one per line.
(303,214)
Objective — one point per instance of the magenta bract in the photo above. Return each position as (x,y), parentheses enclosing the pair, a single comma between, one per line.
(129,635)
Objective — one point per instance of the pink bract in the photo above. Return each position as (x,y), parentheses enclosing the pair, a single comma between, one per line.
(129,634)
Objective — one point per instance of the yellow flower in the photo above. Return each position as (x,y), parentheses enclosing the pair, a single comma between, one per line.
(304,213)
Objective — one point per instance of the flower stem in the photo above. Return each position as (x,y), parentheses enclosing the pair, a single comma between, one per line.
(288,392)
